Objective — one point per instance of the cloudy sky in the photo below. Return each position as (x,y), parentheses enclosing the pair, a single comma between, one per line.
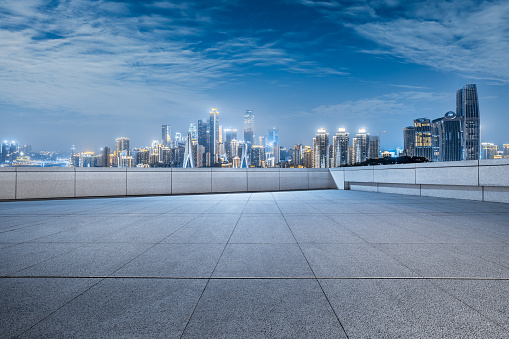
(86,72)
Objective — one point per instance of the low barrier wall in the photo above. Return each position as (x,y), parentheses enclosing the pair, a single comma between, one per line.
(38,182)
(483,180)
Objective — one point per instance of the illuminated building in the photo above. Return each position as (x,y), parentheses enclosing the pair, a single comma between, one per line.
(230,134)
(121,144)
(374,147)
(505,153)
(361,146)
(249,129)
(488,150)
(308,157)
(203,138)
(321,149)
(409,141)
(467,108)
(446,139)
(340,143)
(296,155)
(192,129)
(423,147)
(166,135)
(233,149)
(257,155)
(214,135)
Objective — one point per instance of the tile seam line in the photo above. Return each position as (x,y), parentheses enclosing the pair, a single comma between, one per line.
(312,271)
(252,278)
(212,273)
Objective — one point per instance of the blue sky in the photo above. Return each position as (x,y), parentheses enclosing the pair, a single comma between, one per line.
(85,72)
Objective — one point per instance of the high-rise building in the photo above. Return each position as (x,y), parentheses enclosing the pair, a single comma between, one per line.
(374,147)
(4,151)
(423,147)
(193,131)
(297,155)
(409,141)
(340,143)
(505,153)
(121,144)
(467,108)
(166,135)
(214,135)
(321,149)
(249,129)
(488,150)
(446,139)
(361,146)
(229,135)
(106,157)
(308,157)
(203,138)
(257,156)
(272,136)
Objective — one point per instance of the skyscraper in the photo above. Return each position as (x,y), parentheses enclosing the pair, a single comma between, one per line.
(361,146)
(321,149)
(166,135)
(409,141)
(446,138)
(488,150)
(121,144)
(214,135)
(340,144)
(272,136)
(249,129)
(257,156)
(423,147)
(229,135)
(505,151)
(193,131)
(467,108)
(106,157)
(374,147)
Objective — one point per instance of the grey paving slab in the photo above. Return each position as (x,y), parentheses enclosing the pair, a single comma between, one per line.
(405,309)
(263,309)
(352,260)
(174,260)
(493,253)
(488,297)
(125,308)
(296,207)
(89,260)
(262,229)
(441,260)
(25,302)
(208,232)
(319,229)
(262,208)
(262,260)
(22,256)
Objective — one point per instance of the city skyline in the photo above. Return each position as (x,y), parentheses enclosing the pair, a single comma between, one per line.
(77,72)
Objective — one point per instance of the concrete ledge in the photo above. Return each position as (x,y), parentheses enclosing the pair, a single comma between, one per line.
(363,186)
(101,183)
(400,189)
(400,174)
(320,179)
(259,180)
(496,194)
(293,179)
(229,180)
(148,181)
(7,183)
(455,192)
(338,176)
(466,175)
(44,183)
(186,181)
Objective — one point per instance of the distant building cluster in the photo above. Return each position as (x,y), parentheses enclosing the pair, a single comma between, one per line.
(455,136)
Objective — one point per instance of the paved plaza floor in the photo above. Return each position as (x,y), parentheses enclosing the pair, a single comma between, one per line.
(301,264)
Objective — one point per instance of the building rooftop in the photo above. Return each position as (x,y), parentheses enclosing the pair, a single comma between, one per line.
(326,263)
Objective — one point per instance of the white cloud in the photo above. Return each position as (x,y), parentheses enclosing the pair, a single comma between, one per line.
(393,104)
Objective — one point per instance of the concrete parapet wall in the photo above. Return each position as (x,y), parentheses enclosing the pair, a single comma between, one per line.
(484,180)
(37,182)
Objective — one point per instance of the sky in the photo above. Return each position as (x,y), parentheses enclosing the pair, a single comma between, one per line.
(86,72)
